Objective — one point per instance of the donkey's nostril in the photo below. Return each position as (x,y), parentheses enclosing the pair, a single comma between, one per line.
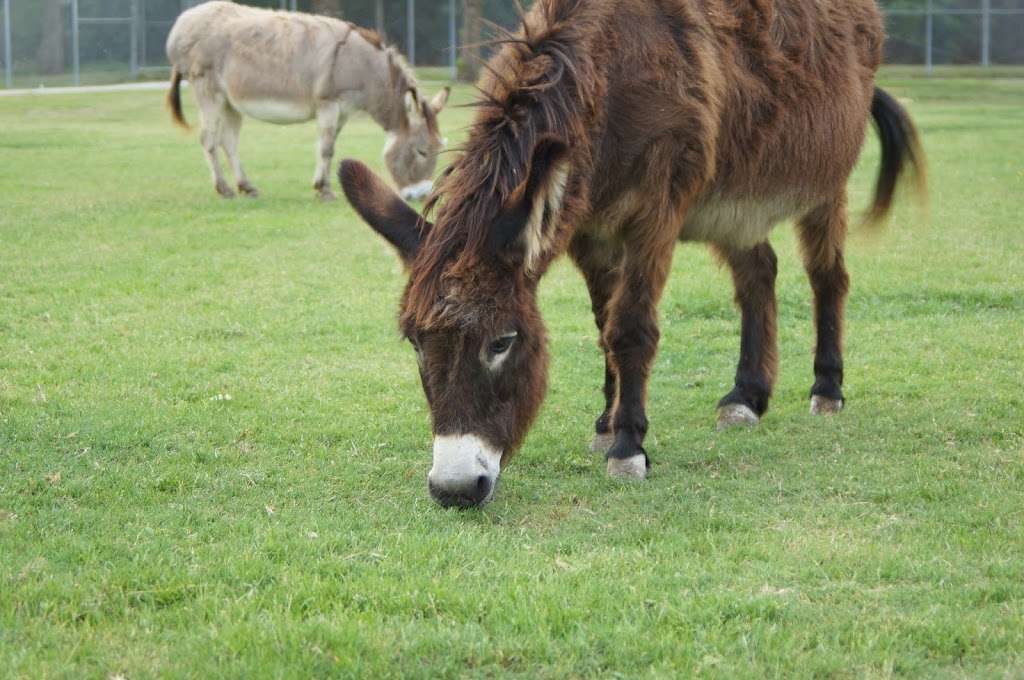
(474,492)
(465,470)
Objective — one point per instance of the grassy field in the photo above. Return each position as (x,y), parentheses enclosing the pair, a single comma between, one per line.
(213,445)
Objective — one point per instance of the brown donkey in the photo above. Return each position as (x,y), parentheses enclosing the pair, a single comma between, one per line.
(611,130)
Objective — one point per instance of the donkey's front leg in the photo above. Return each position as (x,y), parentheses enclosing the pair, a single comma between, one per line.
(631,336)
(753,274)
(599,263)
(330,119)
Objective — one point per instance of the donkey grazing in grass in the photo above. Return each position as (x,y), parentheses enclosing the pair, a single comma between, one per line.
(284,67)
(611,130)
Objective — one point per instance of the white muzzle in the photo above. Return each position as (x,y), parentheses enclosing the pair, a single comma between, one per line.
(416,192)
(465,470)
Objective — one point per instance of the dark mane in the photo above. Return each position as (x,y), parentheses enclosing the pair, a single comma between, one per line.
(402,76)
(531,88)
(370,36)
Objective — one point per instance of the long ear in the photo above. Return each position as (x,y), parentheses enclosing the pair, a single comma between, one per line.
(412,105)
(530,215)
(440,99)
(382,209)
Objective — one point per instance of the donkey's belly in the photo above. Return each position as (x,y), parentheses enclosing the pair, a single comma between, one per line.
(738,222)
(278,111)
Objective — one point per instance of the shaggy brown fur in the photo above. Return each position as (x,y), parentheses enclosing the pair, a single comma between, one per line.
(611,130)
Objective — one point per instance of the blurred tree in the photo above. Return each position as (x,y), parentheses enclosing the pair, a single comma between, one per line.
(51,45)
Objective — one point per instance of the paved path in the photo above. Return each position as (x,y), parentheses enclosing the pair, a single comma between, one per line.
(125,87)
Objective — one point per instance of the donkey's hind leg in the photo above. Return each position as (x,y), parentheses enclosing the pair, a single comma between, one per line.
(753,273)
(600,268)
(232,127)
(822,235)
(211,107)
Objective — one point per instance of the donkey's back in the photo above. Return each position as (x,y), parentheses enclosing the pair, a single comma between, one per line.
(259,55)
(761,107)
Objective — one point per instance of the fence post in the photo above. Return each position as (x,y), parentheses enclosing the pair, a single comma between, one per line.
(453,40)
(410,28)
(986,33)
(76,65)
(379,18)
(142,33)
(929,28)
(133,37)
(8,67)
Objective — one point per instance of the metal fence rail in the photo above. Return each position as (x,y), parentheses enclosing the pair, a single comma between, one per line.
(121,32)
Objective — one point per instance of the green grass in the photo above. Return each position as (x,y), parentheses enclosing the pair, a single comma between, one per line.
(26,75)
(958,72)
(152,527)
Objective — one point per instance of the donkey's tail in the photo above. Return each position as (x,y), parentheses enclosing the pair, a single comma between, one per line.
(901,151)
(174,98)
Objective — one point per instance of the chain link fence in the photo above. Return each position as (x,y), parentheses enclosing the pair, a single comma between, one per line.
(50,43)
(935,33)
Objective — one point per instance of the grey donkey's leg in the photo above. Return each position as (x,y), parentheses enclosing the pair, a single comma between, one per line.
(330,119)
(211,107)
(232,126)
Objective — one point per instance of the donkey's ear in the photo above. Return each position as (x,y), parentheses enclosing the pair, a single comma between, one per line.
(412,104)
(440,99)
(531,214)
(382,209)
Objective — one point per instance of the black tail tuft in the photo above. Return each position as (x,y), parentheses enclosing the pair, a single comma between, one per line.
(901,151)
(174,99)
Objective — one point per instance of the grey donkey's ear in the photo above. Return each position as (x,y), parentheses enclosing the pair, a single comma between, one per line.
(411,99)
(440,99)
(382,209)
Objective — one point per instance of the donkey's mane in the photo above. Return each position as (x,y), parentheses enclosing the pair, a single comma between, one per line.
(531,89)
(402,76)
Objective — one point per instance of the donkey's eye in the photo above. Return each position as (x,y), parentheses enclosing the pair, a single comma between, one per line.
(422,153)
(502,344)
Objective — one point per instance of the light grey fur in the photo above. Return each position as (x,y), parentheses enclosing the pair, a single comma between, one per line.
(288,67)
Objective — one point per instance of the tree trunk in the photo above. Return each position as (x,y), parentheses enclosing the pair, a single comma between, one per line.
(331,8)
(51,47)
(469,57)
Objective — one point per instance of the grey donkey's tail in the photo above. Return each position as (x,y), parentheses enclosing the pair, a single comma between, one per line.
(901,151)
(174,99)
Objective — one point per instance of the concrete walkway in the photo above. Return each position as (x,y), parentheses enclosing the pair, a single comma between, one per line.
(125,87)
